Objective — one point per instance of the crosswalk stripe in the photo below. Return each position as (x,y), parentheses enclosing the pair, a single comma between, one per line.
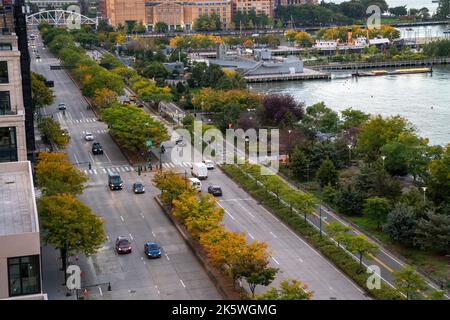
(166,165)
(171,165)
(110,171)
(187,164)
(127,169)
(123,169)
(104,170)
(85,171)
(90,171)
(95,171)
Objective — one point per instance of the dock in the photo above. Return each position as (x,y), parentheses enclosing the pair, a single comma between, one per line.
(287,77)
(381,64)
(374,73)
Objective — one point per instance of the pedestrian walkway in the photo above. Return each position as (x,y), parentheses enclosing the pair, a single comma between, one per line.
(105,170)
(95,131)
(84,120)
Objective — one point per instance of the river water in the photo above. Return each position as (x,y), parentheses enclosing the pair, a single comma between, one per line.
(423,99)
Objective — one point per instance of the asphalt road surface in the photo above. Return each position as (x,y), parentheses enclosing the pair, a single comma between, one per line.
(177,274)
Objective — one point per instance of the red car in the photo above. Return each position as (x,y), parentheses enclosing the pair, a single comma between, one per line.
(123,245)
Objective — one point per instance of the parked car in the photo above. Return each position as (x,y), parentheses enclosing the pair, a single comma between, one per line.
(152,250)
(62,106)
(49,83)
(88,136)
(138,187)
(209,164)
(97,148)
(215,191)
(196,184)
(123,245)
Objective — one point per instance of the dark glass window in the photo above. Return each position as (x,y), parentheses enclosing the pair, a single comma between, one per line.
(5,103)
(4,72)
(8,145)
(24,276)
(5,47)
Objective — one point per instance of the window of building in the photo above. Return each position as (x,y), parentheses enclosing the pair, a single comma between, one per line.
(5,103)
(5,47)
(23,275)
(8,145)
(4,72)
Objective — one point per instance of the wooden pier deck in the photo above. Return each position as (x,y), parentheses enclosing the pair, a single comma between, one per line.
(288,77)
(381,64)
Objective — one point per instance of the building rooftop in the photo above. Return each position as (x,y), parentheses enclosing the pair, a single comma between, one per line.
(18,213)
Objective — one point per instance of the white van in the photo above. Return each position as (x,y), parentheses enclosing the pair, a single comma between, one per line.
(200,170)
(196,184)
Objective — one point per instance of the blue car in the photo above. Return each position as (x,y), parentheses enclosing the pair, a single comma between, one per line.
(152,250)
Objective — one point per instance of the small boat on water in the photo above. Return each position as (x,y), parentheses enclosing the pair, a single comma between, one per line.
(373,73)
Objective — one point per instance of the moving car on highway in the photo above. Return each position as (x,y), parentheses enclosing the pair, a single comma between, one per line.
(215,191)
(88,136)
(62,106)
(123,245)
(138,187)
(97,148)
(196,184)
(114,181)
(152,250)
(209,164)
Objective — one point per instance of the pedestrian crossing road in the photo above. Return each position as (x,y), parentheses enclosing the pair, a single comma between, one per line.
(122,169)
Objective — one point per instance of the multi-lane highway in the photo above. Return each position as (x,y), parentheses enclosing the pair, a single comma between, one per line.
(178,274)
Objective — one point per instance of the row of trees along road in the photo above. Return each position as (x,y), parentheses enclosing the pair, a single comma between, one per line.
(68,224)
(228,251)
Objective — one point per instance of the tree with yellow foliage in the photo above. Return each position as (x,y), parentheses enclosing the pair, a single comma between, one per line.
(56,174)
(172,186)
(104,98)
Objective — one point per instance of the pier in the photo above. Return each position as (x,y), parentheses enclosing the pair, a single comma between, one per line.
(288,77)
(381,64)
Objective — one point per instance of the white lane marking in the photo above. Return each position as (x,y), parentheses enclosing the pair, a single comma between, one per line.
(250,235)
(85,172)
(90,171)
(275,260)
(109,170)
(104,152)
(226,211)
(95,171)
(104,170)
(154,236)
(100,290)
(131,237)
(246,211)
(167,256)
(121,218)
(182,283)
(273,234)
(300,259)
(75,156)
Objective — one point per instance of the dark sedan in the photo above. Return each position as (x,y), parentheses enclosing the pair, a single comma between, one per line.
(138,187)
(215,191)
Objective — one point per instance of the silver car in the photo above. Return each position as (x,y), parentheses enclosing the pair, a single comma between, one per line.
(88,136)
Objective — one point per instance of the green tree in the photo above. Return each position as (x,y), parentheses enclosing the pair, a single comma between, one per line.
(443,10)
(401,224)
(289,290)
(349,201)
(262,277)
(327,173)
(338,231)
(299,164)
(70,225)
(353,118)
(409,282)
(438,180)
(377,132)
(40,93)
(377,209)
(132,127)
(361,246)
(433,232)
(56,175)
(52,131)
(155,70)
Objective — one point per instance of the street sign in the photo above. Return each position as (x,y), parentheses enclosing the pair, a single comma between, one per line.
(149,143)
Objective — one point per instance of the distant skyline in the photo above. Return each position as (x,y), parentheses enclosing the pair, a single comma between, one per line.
(418,4)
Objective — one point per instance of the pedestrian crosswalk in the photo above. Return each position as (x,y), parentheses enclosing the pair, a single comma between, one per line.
(172,165)
(84,120)
(103,170)
(95,131)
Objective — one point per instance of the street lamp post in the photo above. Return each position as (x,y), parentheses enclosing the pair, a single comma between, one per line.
(289,143)
(424,191)
(349,153)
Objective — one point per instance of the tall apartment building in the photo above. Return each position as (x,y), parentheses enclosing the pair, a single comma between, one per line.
(20,265)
